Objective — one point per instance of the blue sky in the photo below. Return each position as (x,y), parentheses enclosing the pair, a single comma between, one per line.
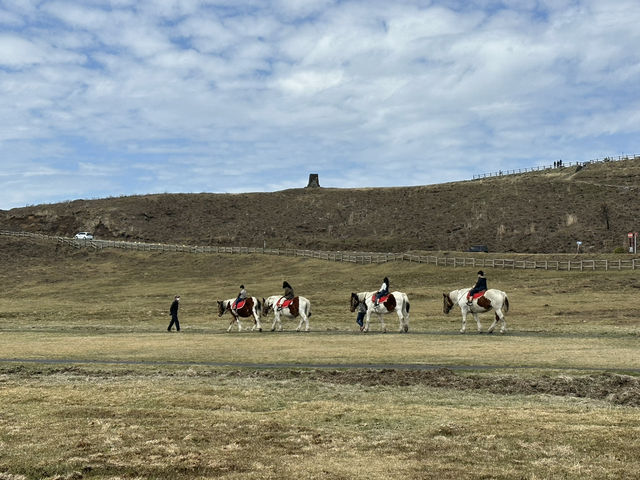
(124,97)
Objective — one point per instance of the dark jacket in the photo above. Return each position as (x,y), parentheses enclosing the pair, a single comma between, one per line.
(174,308)
(480,285)
(288,292)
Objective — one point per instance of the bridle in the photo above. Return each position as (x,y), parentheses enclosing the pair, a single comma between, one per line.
(354,296)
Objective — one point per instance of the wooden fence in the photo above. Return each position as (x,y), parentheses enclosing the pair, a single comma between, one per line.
(550,167)
(352,257)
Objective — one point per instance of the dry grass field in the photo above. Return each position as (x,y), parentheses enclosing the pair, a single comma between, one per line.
(93,387)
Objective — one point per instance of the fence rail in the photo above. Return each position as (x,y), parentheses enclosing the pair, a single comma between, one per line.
(350,257)
(500,173)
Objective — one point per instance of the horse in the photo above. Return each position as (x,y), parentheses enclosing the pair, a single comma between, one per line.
(251,308)
(492,298)
(395,302)
(299,306)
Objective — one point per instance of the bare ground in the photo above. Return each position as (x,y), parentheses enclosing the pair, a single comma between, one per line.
(615,389)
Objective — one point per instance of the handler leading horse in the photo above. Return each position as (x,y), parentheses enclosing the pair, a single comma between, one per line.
(395,302)
(492,298)
(250,308)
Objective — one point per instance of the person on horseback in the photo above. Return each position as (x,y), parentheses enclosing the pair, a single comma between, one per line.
(384,290)
(241,296)
(288,293)
(481,285)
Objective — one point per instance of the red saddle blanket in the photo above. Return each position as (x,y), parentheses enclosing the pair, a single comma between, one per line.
(240,304)
(477,295)
(283,302)
(382,299)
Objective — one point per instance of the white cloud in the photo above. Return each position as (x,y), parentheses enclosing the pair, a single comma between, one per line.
(182,87)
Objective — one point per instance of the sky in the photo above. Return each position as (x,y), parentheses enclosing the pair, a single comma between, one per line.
(127,97)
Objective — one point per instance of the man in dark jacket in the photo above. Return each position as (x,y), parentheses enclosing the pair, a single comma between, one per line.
(173,311)
(481,285)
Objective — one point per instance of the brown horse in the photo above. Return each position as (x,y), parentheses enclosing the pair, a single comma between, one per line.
(251,308)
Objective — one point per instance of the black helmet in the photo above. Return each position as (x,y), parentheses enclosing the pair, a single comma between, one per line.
(285,285)
(481,273)
(241,286)
(386,280)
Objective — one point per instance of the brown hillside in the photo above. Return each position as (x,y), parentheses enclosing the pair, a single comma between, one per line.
(538,212)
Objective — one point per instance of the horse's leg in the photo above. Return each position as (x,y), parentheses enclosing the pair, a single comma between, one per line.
(256,320)
(400,318)
(304,319)
(231,322)
(367,318)
(477,318)
(382,325)
(498,317)
(464,319)
(275,320)
(300,323)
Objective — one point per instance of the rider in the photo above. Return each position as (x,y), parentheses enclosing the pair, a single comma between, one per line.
(241,296)
(384,290)
(288,292)
(481,284)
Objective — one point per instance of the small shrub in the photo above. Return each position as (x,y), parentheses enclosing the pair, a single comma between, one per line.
(619,250)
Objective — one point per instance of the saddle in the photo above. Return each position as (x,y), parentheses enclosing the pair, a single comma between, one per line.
(240,304)
(293,305)
(482,300)
(389,301)
(243,307)
(478,294)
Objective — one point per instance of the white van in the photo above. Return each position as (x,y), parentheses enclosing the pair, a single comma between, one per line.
(84,236)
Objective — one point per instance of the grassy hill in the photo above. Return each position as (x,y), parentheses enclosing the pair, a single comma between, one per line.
(536,212)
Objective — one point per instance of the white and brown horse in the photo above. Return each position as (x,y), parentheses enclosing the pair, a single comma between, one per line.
(250,308)
(299,306)
(395,302)
(492,299)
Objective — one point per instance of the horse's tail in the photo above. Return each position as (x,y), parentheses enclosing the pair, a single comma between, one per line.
(258,305)
(308,309)
(407,305)
(505,308)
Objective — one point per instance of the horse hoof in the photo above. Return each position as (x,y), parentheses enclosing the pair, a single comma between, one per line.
(259,329)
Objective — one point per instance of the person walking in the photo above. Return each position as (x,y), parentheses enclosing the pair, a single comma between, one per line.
(362,311)
(173,311)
